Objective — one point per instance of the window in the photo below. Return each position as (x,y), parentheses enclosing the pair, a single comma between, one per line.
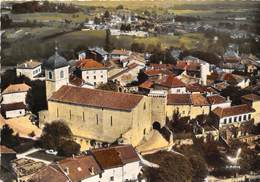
(144,131)
(101,76)
(240,118)
(50,75)
(57,112)
(112,178)
(144,106)
(249,116)
(95,77)
(225,121)
(70,114)
(230,120)
(244,117)
(235,119)
(95,83)
(87,77)
(83,116)
(183,112)
(178,90)
(111,121)
(97,118)
(61,74)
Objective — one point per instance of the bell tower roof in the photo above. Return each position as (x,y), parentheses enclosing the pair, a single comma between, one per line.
(55,61)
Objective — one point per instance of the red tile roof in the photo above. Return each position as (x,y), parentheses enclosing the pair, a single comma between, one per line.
(179,99)
(96,98)
(115,156)
(152,72)
(80,167)
(13,88)
(189,66)
(74,80)
(146,85)
(171,82)
(89,64)
(50,173)
(233,110)
(161,66)
(196,87)
(216,99)
(199,100)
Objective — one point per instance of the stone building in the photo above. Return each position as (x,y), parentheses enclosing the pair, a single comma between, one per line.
(30,69)
(253,101)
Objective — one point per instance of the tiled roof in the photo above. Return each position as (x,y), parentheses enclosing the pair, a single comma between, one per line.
(216,99)
(146,85)
(251,97)
(13,88)
(196,87)
(74,80)
(29,64)
(189,66)
(233,110)
(161,66)
(199,100)
(50,173)
(171,82)
(115,156)
(179,99)
(89,64)
(80,167)
(152,72)
(6,150)
(96,98)
(13,106)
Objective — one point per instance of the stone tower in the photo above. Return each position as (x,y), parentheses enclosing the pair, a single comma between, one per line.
(56,73)
(159,101)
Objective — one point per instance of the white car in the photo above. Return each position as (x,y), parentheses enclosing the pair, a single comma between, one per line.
(51,151)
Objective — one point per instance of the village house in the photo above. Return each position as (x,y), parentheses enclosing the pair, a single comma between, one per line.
(92,72)
(30,69)
(95,53)
(253,100)
(234,115)
(187,105)
(14,100)
(118,163)
(120,54)
(218,101)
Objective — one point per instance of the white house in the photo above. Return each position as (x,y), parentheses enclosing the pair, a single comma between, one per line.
(120,54)
(218,101)
(92,72)
(233,115)
(14,100)
(15,93)
(119,163)
(30,69)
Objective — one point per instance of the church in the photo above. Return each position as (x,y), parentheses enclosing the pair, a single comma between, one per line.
(98,115)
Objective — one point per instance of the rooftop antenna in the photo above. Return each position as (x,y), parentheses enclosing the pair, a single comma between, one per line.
(56,48)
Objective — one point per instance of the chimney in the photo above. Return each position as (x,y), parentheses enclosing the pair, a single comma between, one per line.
(25,64)
(228,98)
(31,60)
(67,170)
(160,62)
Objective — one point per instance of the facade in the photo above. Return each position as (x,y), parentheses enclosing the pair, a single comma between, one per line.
(218,101)
(92,72)
(253,101)
(120,54)
(233,115)
(30,69)
(14,100)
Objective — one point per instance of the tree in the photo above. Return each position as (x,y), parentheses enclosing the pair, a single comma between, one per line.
(108,44)
(110,85)
(123,27)
(97,20)
(120,7)
(128,27)
(199,168)
(7,137)
(138,47)
(56,135)
(107,14)
(174,168)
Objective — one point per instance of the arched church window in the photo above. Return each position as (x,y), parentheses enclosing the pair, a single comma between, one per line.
(50,75)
